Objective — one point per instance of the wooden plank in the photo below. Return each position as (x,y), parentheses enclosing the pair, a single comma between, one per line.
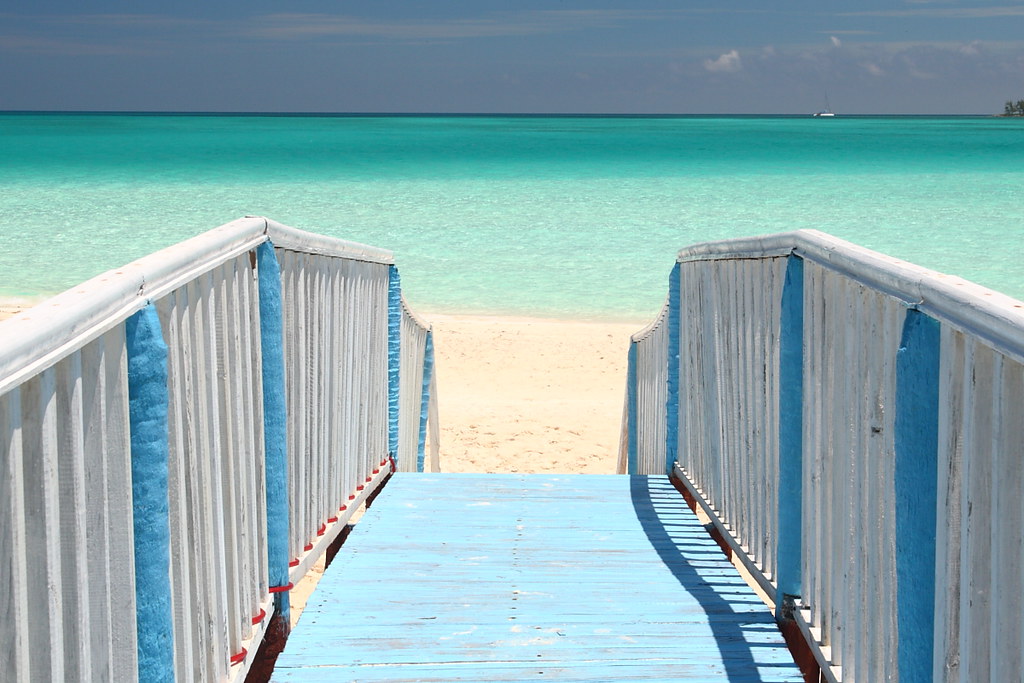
(507,577)
(76,577)
(14,602)
(42,510)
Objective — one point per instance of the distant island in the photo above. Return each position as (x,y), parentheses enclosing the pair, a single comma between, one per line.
(1014,108)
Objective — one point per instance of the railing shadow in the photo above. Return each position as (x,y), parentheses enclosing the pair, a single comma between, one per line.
(738,620)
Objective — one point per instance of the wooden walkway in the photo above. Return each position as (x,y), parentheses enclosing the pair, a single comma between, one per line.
(457,577)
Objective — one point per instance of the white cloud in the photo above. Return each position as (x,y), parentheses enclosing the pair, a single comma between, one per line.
(835,41)
(728,62)
(971,49)
(873,69)
(944,13)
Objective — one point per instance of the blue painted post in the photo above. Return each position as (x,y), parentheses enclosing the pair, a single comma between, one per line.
(672,381)
(394,356)
(789,548)
(633,442)
(428,372)
(916,484)
(274,427)
(147,412)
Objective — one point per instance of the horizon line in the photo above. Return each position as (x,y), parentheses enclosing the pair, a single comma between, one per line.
(425,114)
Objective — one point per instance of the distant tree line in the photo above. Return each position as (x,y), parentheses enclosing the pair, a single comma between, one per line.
(1014,108)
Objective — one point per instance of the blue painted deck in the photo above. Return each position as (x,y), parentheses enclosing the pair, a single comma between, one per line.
(456,577)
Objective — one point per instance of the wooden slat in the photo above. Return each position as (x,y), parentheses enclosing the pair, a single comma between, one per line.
(14,607)
(76,617)
(506,577)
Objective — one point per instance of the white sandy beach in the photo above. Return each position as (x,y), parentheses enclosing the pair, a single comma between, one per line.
(529,395)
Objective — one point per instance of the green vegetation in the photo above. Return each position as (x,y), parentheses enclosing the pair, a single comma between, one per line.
(1014,108)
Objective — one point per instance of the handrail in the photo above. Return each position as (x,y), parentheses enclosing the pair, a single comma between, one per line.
(852,425)
(971,308)
(83,480)
(69,320)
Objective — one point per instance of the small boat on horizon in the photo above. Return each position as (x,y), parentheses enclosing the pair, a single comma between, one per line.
(827,111)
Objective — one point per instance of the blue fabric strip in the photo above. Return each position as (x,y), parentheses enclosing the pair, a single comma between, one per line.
(428,372)
(394,355)
(789,547)
(672,381)
(632,442)
(275,420)
(147,411)
(916,484)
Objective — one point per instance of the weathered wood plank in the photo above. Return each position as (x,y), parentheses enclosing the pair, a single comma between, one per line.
(508,577)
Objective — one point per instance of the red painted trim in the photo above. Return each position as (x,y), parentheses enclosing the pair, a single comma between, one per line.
(259,617)
(239,658)
(281,589)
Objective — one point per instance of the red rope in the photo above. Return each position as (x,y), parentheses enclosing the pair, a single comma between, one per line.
(259,617)
(239,658)
(281,589)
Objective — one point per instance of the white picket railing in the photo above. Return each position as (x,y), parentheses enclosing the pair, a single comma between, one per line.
(419,397)
(854,425)
(76,525)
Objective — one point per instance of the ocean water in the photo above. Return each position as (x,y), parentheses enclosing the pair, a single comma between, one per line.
(576,217)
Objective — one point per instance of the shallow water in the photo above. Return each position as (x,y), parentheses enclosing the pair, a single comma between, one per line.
(551,216)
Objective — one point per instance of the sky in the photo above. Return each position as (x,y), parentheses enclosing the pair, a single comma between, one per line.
(623,57)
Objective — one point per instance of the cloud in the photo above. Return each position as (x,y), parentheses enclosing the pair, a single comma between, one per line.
(944,12)
(873,69)
(972,49)
(300,26)
(727,63)
(835,41)
(36,45)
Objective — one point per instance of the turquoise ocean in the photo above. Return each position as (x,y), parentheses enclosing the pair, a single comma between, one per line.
(568,217)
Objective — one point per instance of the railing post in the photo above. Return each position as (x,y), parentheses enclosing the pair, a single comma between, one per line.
(147,411)
(274,429)
(428,372)
(916,477)
(789,551)
(632,437)
(672,379)
(394,356)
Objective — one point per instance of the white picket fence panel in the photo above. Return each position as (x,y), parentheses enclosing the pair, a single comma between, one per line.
(66,492)
(851,493)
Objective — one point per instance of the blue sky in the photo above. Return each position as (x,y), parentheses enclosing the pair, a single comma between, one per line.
(630,56)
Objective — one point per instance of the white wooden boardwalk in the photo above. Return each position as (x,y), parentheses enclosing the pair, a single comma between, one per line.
(456,577)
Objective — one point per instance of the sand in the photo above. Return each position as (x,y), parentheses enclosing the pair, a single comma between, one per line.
(529,395)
